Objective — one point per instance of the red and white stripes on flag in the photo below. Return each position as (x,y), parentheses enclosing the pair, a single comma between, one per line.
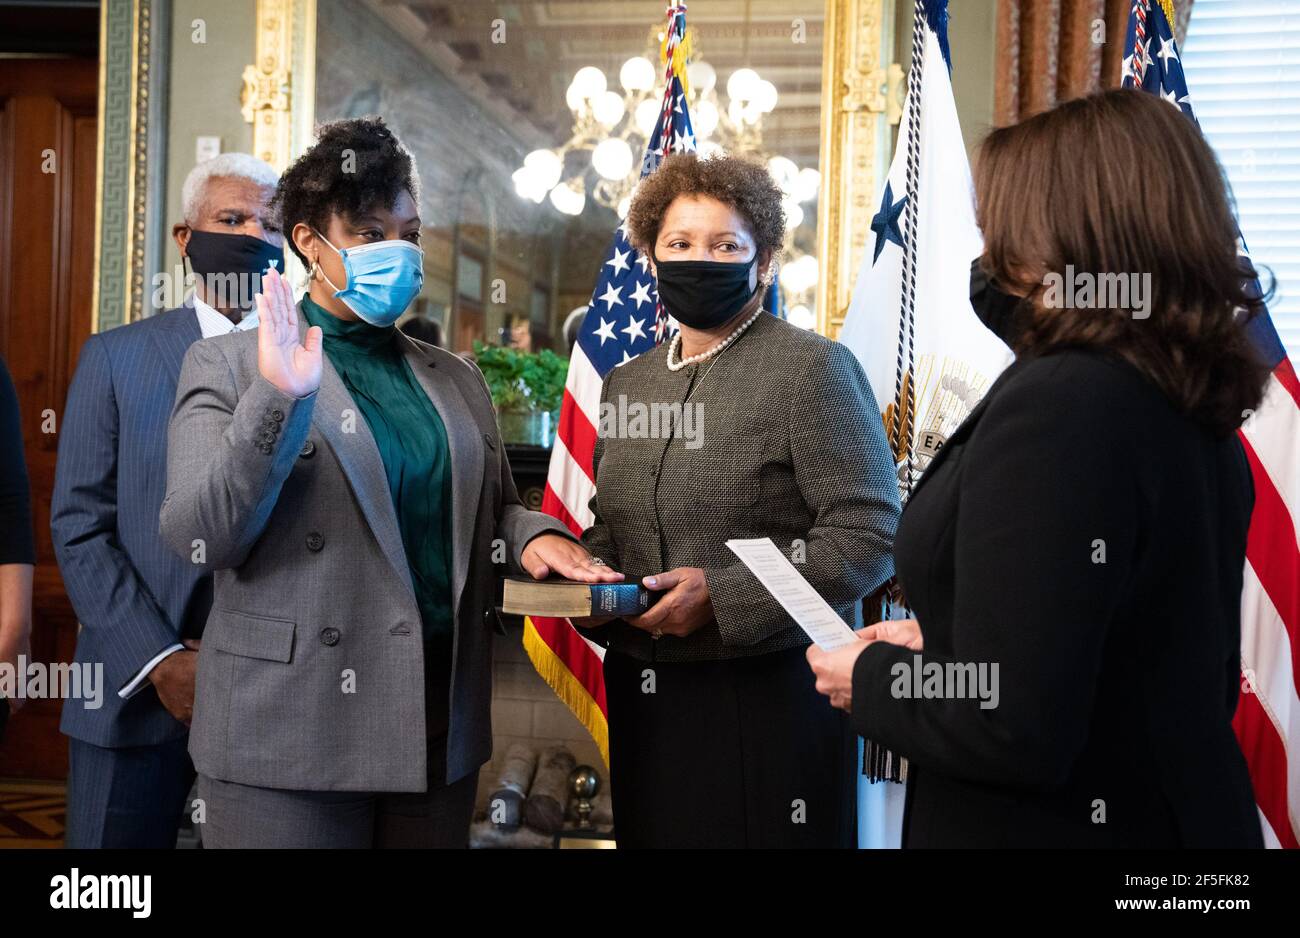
(615,329)
(1268,711)
(1267,721)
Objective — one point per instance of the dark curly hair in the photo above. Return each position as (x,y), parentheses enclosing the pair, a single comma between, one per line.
(317,186)
(743,184)
(1122,184)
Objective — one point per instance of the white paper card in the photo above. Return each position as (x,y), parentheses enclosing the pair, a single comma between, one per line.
(795,594)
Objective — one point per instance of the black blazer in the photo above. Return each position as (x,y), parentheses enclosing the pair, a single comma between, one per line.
(1089,540)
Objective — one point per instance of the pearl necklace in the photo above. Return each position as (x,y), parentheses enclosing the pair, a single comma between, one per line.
(674,347)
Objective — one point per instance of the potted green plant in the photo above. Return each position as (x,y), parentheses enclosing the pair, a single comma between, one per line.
(527,390)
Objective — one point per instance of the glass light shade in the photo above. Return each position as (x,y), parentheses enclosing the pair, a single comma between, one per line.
(573,97)
(608,108)
(637,74)
(624,204)
(590,82)
(765,97)
(701,77)
(705,118)
(568,199)
(612,158)
(709,148)
(743,84)
(784,171)
(527,186)
(800,275)
(750,113)
(793,213)
(806,184)
(546,167)
(647,112)
(801,316)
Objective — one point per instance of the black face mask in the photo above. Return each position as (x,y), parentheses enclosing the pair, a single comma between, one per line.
(217,254)
(1000,312)
(703,294)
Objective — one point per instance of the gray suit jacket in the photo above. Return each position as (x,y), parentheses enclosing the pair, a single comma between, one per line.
(786,442)
(288,501)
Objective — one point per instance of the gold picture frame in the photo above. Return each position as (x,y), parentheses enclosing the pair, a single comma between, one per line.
(857,107)
(278,99)
(279,92)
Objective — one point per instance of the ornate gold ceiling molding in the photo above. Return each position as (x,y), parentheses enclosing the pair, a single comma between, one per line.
(855,121)
(279,92)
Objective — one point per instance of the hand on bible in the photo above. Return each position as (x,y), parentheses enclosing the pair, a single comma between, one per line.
(551,553)
(293,366)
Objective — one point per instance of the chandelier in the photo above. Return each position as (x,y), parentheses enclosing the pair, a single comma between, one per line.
(599,160)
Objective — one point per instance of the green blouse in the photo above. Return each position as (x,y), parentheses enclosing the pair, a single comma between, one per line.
(412,443)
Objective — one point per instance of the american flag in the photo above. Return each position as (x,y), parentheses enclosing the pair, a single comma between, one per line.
(1268,711)
(624,319)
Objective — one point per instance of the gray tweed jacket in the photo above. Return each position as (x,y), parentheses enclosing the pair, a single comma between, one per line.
(311,674)
(779,437)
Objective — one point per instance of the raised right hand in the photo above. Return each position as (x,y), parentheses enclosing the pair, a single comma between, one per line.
(294,367)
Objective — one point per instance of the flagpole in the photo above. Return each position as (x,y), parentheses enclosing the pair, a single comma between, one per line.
(904,384)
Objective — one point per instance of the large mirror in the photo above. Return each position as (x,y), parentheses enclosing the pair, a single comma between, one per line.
(528,121)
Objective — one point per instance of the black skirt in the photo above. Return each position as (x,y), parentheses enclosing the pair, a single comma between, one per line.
(727,754)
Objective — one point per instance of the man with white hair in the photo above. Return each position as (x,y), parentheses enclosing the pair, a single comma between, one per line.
(228,238)
(141,608)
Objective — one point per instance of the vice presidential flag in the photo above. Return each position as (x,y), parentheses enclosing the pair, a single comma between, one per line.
(1268,710)
(910,322)
(624,319)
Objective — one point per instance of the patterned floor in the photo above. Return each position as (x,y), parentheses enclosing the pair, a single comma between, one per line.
(31,813)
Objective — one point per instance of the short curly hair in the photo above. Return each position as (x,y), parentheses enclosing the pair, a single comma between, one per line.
(741,183)
(354,166)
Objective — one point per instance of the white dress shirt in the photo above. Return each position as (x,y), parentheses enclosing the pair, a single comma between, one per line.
(211,323)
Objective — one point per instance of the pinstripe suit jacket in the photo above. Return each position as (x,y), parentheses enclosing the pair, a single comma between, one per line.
(312,669)
(132,595)
(788,444)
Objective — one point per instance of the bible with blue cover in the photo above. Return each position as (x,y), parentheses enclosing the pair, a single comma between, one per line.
(570,599)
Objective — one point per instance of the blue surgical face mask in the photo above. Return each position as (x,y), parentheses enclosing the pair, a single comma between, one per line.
(383,278)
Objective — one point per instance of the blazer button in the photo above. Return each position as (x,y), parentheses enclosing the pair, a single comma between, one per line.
(308,450)
(487,438)
(315,541)
(277,415)
(330,636)
(265,448)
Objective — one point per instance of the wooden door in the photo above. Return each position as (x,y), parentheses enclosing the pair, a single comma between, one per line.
(47,244)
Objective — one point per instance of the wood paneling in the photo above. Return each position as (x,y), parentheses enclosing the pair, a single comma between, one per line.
(47,228)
